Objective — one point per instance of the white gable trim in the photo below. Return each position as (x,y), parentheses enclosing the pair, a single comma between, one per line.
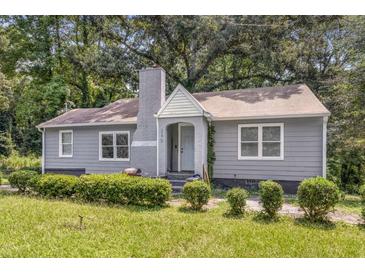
(180,88)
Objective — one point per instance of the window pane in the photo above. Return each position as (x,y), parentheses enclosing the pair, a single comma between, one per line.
(107,152)
(107,139)
(122,152)
(249,149)
(249,133)
(271,149)
(66,137)
(67,149)
(122,139)
(271,133)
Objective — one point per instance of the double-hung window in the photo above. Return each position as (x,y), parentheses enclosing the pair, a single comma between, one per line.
(65,143)
(261,141)
(114,146)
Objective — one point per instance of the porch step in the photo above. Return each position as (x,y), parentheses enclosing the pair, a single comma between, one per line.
(179,175)
(177,185)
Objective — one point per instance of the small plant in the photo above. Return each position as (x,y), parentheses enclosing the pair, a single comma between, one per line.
(271,197)
(56,185)
(317,196)
(197,193)
(23,179)
(236,198)
(362,195)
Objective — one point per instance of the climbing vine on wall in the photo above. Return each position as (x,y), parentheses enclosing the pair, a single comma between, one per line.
(211,153)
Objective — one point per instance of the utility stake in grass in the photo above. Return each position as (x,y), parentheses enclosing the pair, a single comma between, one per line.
(81,222)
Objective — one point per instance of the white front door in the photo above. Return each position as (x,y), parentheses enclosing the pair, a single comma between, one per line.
(186,147)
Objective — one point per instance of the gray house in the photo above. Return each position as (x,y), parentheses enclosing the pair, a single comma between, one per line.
(274,133)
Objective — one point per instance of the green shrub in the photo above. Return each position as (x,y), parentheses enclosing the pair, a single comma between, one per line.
(197,193)
(56,185)
(271,197)
(124,189)
(22,179)
(362,195)
(16,162)
(236,198)
(317,196)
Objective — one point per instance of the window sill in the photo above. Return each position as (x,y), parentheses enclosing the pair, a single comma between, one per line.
(261,158)
(113,160)
(65,156)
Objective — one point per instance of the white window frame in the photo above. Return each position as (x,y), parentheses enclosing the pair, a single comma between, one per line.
(114,146)
(60,154)
(260,157)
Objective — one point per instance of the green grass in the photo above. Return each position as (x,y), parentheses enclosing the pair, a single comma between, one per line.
(31,227)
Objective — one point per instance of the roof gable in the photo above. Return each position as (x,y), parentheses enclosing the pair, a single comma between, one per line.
(180,104)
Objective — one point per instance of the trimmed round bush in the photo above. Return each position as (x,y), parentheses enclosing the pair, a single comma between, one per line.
(123,189)
(271,197)
(317,196)
(236,198)
(197,193)
(23,179)
(56,185)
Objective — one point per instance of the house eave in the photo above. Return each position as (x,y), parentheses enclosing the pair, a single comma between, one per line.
(214,118)
(87,124)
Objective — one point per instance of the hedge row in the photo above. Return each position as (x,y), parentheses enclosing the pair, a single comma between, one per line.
(111,188)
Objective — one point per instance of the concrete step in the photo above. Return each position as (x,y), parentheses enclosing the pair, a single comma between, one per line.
(178,175)
(177,182)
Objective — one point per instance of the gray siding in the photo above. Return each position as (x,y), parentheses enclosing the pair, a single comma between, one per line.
(180,106)
(85,149)
(302,151)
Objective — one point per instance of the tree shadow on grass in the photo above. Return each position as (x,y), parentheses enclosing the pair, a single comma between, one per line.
(232,215)
(320,224)
(263,218)
(190,210)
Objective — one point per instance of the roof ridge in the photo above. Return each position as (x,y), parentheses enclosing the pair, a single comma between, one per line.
(247,89)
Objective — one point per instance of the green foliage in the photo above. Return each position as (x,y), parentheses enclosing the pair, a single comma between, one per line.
(362,195)
(56,185)
(197,193)
(317,196)
(236,198)
(347,168)
(210,151)
(271,197)
(17,162)
(124,189)
(23,179)
(6,144)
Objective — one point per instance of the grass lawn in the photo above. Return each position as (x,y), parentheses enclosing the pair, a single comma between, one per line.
(31,227)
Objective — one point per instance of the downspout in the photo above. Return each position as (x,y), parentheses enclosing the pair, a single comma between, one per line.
(324,146)
(43,147)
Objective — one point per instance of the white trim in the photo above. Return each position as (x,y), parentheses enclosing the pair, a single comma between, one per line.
(324,147)
(270,117)
(157,149)
(144,143)
(43,148)
(259,141)
(179,147)
(60,143)
(114,133)
(88,124)
(191,98)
